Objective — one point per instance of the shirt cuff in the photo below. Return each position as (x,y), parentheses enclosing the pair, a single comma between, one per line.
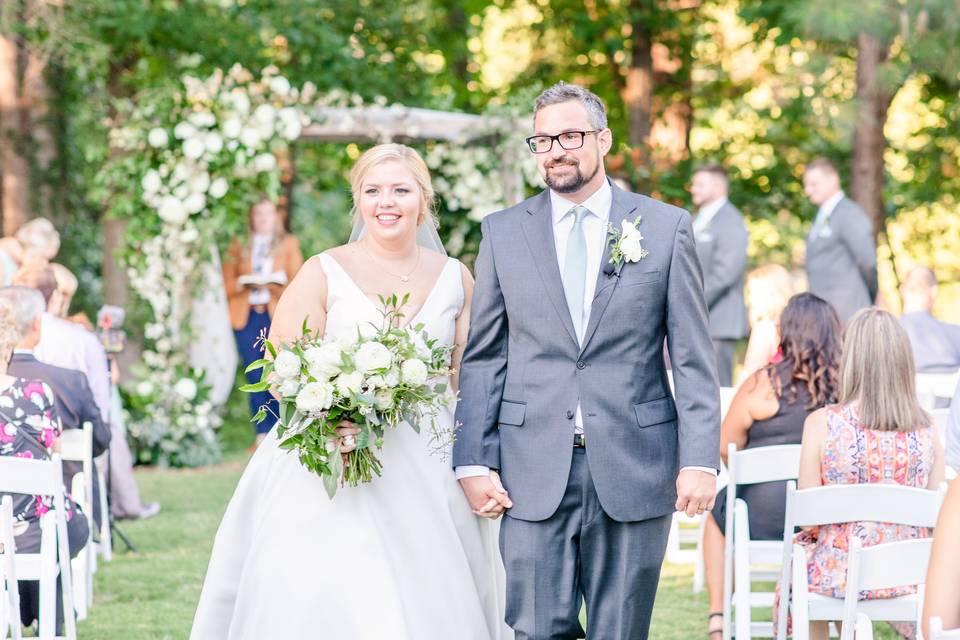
(709,470)
(471,471)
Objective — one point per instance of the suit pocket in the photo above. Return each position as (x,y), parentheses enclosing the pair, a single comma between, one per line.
(632,278)
(655,412)
(512,413)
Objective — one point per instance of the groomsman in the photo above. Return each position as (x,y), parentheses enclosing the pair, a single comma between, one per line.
(722,248)
(841,252)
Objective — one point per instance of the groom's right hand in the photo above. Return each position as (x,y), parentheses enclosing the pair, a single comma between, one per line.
(486,495)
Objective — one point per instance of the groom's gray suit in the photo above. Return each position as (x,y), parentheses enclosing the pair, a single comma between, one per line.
(587,522)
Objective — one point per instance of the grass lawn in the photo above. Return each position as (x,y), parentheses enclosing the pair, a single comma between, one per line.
(153,594)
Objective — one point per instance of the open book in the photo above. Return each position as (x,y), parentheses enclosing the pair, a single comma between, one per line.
(262,279)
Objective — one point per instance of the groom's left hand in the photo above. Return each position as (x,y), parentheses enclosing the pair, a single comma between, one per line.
(696,491)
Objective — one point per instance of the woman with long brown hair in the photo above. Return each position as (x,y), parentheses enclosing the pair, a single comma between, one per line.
(255,273)
(770,409)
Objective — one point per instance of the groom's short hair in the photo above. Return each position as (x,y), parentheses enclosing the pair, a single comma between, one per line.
(564,92)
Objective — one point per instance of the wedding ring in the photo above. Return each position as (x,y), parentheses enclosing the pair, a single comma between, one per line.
(348,441)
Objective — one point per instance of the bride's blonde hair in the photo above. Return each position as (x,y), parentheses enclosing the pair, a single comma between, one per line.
(409,158)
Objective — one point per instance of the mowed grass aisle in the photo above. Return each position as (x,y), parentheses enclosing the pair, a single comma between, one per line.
(152,595)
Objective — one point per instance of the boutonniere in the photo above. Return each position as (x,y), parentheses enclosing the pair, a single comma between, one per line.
(625,243)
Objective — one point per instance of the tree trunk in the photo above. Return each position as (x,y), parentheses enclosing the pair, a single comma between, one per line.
(872,100)
(638,93)
(14,168)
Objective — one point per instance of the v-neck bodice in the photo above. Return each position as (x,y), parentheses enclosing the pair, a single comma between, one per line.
(350,309)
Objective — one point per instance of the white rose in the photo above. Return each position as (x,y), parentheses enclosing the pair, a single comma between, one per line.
(195,202)
(392,378)
(219,188)
(290,123)
(186,388)
(250,137)
(376,382)
(181,191)
(289,387)
(383,399)
(265,114)
(280,85)
(193,148)
(348,383)
(286,364)
(202,119)
(413,372)
(144,388)
(324,361)
(164,345)
(158,138)
(231,128)
(240,101)
(188,235)
(630,248)
(419,345)
(172,210)
(199,182)
(372,355)
(315,396)
(265,162)
(184,130)
(151,181)
(213,142)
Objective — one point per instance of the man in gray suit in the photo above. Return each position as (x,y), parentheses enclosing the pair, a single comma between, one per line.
(841,252)
(936,344)
(722,248)
(563,391)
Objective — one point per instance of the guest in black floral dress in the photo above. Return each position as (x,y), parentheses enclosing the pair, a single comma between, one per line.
(29,428)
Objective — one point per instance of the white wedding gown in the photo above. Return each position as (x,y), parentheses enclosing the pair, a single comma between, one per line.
(402,558)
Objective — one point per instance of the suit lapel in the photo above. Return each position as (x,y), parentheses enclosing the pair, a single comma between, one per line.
(538,232)
(620,210)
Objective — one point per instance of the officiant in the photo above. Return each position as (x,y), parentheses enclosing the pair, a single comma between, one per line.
(256,270)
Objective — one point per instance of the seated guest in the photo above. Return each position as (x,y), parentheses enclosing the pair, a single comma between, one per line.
(40,241)
(770,409)
(72,396)
(936,344)
(877,433)
(942,590)
(768,289)
(67,285)
(32,430)
(67,344)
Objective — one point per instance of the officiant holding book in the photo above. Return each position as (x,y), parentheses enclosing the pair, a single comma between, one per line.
(255,272)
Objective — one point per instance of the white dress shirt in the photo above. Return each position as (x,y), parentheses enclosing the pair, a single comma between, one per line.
(67,344)
(706,214)
(595,231)
(823,213)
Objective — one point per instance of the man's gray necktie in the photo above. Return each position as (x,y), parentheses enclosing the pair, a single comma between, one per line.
(575,269)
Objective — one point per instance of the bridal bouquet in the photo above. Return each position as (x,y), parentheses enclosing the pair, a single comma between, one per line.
(377,380)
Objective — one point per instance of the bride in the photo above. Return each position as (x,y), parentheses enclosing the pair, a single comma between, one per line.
(403,557)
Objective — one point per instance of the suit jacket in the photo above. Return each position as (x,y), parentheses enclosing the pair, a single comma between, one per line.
(935,344)
(842,260)
(286,257)
(722,250)
(523,369)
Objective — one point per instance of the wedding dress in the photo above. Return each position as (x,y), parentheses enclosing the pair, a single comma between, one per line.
(402,558)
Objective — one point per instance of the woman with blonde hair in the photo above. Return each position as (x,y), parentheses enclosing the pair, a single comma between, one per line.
(255,273)
(876,433)
(404,557)
(768,289)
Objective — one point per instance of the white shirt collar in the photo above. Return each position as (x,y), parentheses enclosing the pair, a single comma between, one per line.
(27,352)
(707,213)
(598,203)
(831,203)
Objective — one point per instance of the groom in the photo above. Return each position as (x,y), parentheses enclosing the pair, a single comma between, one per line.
(563,392)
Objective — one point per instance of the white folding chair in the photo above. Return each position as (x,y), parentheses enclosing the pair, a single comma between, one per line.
(940,419)
(76,445)
(937,632)
(746,561)
(864,628)
(9,594)
(935,386)
(836,504)
(883,566)
(44,478)
(105,546)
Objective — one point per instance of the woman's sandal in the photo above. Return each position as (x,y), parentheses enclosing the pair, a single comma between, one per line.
(711,632)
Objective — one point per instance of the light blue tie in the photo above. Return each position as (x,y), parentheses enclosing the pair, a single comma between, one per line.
(575,269)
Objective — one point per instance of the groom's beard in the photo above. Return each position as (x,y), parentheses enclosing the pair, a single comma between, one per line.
(571,182)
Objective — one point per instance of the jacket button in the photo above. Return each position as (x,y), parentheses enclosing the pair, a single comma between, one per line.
(570,415)
(581,364)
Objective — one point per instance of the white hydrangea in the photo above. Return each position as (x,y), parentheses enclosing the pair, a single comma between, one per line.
(158,138)
(186,388)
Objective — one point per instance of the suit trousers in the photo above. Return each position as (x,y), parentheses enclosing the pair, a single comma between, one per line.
(581,554)
(251,350)
(724,349)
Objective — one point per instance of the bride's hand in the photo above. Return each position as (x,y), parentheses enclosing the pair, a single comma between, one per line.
(347,436)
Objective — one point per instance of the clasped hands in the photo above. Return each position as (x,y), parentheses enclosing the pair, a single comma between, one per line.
(486,495)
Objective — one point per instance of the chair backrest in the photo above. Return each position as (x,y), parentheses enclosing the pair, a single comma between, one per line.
(32,477)
(77,444)
(763,464)
(860,502)
(10,607)
(940,419)
(937,632)
(931,386)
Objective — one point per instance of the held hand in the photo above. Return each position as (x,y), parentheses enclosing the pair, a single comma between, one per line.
(347,436)
(696,491)
(486,495)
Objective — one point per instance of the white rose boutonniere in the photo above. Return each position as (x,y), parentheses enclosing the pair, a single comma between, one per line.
(625,243)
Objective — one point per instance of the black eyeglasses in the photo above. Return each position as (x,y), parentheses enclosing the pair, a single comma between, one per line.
(569,140)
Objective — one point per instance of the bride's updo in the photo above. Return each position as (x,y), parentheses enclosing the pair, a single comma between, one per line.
(408,157)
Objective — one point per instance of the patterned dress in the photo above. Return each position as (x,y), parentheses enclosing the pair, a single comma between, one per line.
(855,454)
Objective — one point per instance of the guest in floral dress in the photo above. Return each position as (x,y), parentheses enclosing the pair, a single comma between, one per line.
(29,428)
(876,434)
